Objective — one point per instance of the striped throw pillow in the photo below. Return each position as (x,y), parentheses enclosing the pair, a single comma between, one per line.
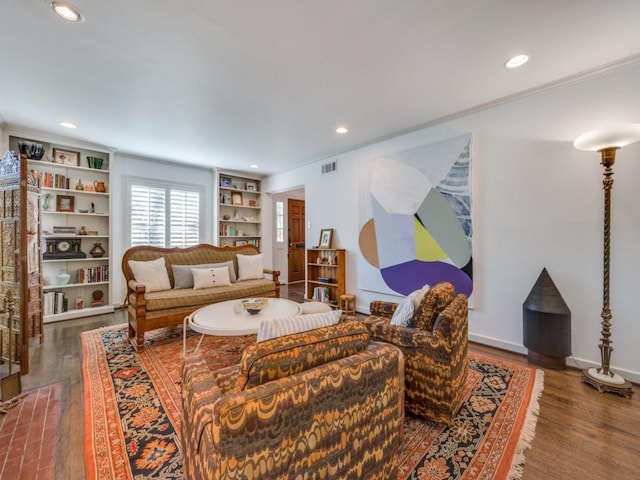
(298,323)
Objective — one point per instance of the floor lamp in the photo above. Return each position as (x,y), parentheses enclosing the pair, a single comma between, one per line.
(607,141)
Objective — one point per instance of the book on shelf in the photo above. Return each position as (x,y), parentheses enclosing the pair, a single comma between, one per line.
(55,302)
(93,274)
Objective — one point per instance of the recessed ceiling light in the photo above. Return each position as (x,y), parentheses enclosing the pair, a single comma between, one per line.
(67,11)
(68,125)
(517,61)
(253,165)
(342,130)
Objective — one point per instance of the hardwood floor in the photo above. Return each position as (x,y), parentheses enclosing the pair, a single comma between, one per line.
(581,434)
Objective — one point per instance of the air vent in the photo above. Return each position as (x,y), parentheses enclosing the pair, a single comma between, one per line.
(330,167)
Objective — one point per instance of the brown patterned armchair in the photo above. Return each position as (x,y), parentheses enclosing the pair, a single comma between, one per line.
(435,349)
(325,403)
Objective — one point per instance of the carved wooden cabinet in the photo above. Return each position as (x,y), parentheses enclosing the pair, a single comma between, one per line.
(20,260)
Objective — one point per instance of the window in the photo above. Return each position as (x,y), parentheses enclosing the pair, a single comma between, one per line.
(279,221)
(163,215)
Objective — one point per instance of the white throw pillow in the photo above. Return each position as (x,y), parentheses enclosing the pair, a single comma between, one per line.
(407,306)
(153,274)
(250,266)
(210,277)
(183,278)
(298,323)
(417,296)
(403,313)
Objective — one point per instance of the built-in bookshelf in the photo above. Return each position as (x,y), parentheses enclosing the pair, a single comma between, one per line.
(325,275)
(239,210)
(75,210)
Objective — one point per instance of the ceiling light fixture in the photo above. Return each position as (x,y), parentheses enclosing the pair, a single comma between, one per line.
(253,165)
(517,61)
(67,11)
(342,130)
(68,125)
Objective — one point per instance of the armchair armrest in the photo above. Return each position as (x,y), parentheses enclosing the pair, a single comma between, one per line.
(199,395)
(380,308)
(136,286)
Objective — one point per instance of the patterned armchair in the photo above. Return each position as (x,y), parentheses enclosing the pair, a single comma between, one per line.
(325,403)
(435,349)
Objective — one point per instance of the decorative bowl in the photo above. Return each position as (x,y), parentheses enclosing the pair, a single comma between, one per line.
(32,150)
(253,306)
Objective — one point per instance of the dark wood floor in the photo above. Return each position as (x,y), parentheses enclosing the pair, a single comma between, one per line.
(581,434)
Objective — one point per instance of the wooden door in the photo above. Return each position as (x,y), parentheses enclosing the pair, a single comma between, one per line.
(295,218)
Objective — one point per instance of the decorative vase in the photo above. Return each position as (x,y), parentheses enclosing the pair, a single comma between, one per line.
(63,277)
(79,185)
(97,251)
(45,201)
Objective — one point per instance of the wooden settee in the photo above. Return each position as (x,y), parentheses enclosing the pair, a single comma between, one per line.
(167,308)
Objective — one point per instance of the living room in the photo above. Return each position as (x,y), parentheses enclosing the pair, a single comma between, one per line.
(537,201)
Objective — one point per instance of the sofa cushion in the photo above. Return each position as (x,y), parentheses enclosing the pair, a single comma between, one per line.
(173,299)
(278,327)
(250,267)
(210,277)
(284,356)
(183,278)
(432,304)
(153,274)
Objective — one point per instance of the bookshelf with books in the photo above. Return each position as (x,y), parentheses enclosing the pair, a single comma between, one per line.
(239,210)
(76,227)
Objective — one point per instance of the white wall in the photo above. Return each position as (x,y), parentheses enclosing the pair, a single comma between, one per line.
(124,166)
(537,203)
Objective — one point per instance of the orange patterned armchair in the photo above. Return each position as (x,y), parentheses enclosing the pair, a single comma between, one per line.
(325,403)
(435,348)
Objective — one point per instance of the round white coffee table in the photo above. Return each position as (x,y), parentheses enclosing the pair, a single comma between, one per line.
(221,319)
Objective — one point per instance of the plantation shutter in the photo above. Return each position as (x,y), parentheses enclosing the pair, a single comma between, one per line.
(164,216)
(147,216)
(185,218)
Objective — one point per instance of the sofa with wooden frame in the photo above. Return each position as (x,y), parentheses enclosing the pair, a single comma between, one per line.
(167,308)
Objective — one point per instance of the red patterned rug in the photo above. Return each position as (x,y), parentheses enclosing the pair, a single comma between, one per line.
(132,412)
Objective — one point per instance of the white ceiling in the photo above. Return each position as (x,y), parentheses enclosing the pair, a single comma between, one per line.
(229,83)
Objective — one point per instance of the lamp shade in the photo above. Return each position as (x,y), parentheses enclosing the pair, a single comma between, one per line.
(609,137)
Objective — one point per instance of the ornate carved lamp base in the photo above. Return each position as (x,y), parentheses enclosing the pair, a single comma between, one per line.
(602,382)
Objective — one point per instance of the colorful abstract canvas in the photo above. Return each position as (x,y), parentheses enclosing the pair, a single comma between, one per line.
(415,218)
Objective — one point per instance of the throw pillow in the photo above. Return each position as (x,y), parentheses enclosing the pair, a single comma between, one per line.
(299,323)
(153,274)
(284,356)
(210,277)
(250,266)
(403,313)
(183,278)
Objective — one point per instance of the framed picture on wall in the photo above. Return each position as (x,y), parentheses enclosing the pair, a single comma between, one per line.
(326,234)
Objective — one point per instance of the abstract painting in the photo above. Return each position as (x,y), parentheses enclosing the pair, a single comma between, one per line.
(415,218)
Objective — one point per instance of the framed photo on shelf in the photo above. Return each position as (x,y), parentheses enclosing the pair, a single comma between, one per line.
(79,303)
(240,242)
(326,234)
(225,181)
(66,157)
(252,187)
(236,198)
(64,203)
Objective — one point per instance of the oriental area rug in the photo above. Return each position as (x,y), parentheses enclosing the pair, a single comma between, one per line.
(132,412)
